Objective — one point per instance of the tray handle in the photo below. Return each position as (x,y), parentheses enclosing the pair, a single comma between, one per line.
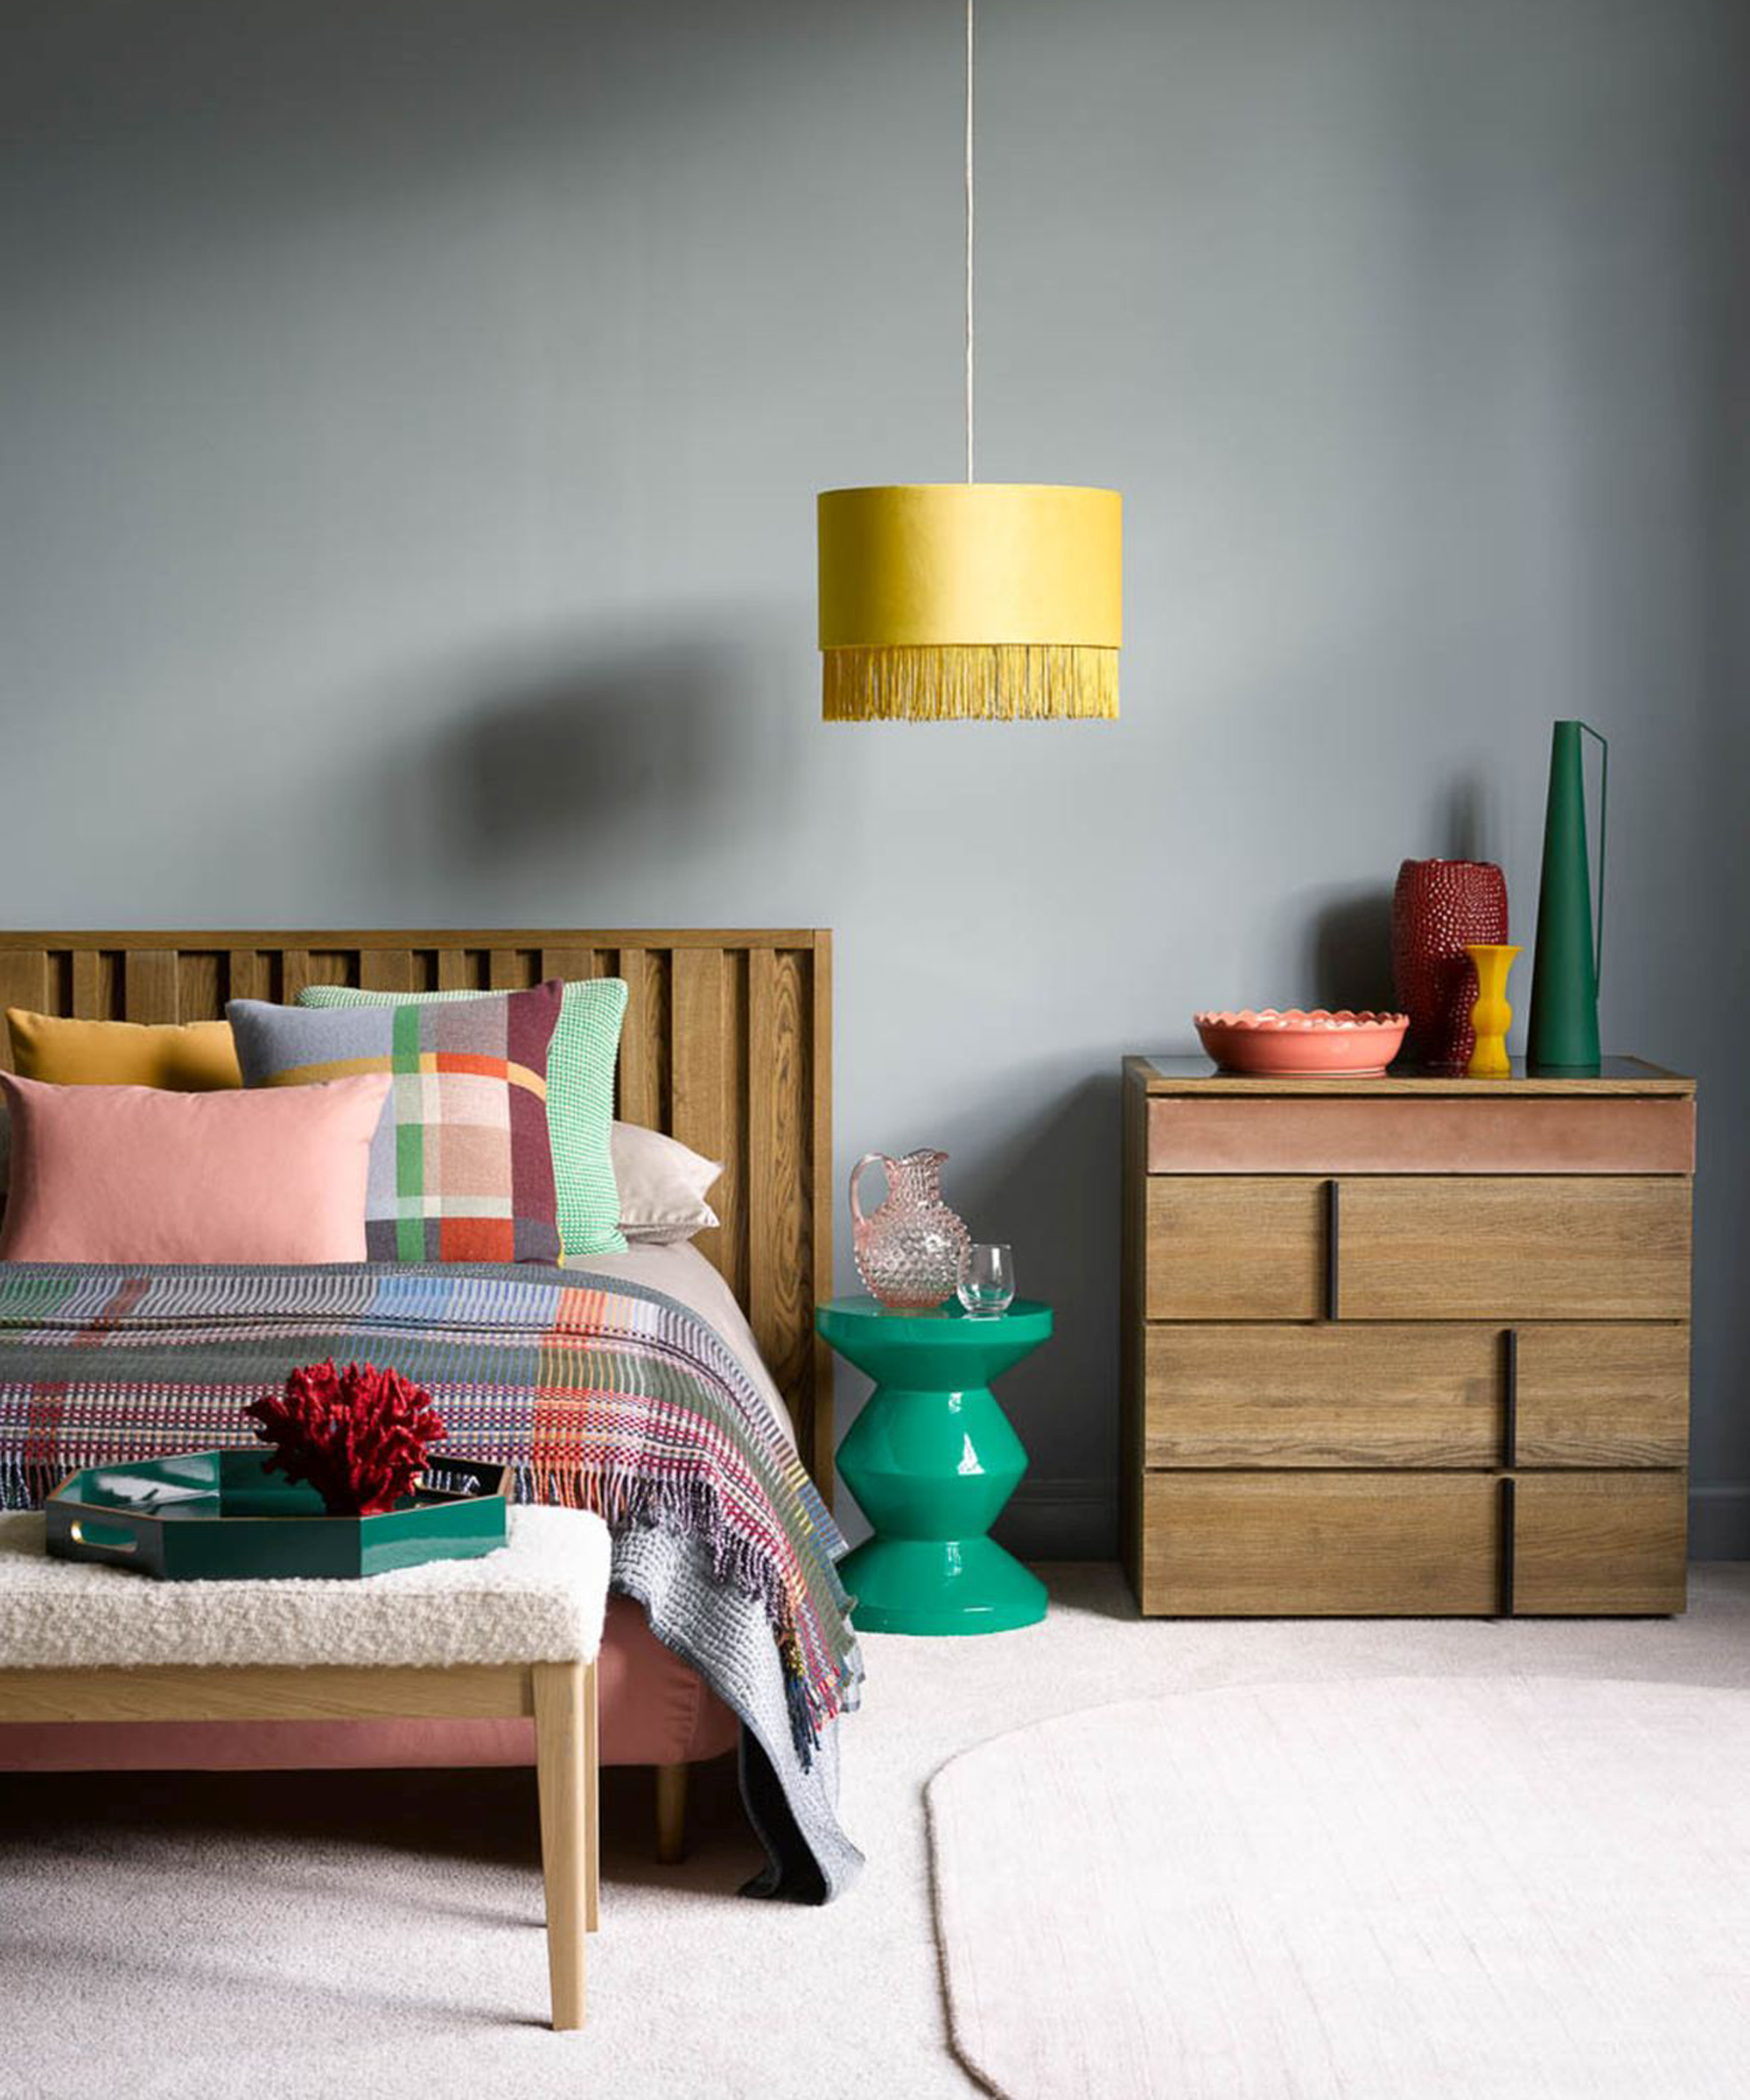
(479,1480)
(90,1532)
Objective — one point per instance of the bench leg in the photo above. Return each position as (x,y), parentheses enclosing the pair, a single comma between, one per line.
(591,1803)
(671,1813)
(564,1772)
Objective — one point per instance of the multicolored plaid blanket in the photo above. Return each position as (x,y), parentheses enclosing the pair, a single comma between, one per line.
(614,1400)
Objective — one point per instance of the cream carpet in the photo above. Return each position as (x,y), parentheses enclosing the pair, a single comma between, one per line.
(376,1933)
(1315,1892)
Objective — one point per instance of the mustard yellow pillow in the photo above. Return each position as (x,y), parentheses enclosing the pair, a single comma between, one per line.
(198,1057)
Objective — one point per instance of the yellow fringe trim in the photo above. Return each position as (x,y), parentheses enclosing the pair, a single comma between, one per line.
(970,682)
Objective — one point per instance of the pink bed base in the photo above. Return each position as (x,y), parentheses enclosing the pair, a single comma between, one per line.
(655,1711)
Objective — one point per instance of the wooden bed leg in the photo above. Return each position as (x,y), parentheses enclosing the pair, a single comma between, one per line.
(562,1768)
(671,1813)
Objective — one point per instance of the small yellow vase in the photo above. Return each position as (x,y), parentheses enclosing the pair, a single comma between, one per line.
(1491,1017)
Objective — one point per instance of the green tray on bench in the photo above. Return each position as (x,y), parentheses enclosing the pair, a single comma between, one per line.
(220,1515)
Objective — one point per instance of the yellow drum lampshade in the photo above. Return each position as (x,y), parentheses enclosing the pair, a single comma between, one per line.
(970,600)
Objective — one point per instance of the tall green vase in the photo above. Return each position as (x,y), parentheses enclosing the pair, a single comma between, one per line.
(1562,1036)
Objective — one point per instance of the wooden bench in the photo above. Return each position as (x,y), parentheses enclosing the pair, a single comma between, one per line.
(516,1633)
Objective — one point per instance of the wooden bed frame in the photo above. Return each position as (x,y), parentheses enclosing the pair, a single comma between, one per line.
(727,1045)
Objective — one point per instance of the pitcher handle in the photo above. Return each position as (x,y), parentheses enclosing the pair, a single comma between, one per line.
(1603,812)
(857,1171)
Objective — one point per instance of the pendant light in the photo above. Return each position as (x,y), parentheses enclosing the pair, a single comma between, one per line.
(981,600)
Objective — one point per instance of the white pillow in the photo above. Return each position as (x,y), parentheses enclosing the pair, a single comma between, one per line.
(663,1185)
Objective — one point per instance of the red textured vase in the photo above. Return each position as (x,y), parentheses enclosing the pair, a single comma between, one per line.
(1438,906)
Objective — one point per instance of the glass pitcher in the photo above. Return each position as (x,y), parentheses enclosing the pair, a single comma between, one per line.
(908,1253)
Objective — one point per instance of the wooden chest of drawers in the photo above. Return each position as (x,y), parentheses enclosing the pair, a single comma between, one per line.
(1405,1346)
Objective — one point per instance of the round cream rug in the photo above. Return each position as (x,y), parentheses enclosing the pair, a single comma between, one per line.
(1393,1889)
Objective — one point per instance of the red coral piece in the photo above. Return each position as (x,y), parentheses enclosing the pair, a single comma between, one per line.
(358,1436)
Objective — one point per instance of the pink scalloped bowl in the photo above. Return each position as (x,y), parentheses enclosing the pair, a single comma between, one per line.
(1297,1043)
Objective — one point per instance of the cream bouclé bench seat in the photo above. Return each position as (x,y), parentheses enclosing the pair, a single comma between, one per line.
(514,1633)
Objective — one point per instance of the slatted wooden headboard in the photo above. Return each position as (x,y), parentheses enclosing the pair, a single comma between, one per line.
(727,1045)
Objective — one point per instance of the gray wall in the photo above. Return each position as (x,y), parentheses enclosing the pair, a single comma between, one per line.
(410,420)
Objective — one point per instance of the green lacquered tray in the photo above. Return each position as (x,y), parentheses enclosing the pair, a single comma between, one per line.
(220,1515)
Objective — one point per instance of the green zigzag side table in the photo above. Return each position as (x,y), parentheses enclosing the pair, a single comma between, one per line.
(932,1459)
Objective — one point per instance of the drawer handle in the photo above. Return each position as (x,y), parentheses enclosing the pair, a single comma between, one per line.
(1509,1424)
(1507,1520)
(1333,1236)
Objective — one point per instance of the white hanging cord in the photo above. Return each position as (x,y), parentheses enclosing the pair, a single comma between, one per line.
(969,240)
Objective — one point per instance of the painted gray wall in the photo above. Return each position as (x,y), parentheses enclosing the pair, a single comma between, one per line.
(410,421)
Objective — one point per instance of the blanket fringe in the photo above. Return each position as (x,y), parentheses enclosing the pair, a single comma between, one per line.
(25,1483)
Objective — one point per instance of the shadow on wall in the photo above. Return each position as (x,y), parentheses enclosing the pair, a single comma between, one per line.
(1349,937)
(1350,944)
(1047,1186)
(587,757)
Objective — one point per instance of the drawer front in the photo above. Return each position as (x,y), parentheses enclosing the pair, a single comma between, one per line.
(1615,1394)
(1487,1247)
(1251,1395)
(1469,1134)
(1411,1393)
(1321,1544)
(1600,1542)
(1491,1247)
(1235,1247)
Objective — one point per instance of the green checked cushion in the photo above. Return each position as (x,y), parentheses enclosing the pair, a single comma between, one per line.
(579,1097)
(461,1167)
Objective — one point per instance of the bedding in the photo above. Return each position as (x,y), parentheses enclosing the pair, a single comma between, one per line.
(599,1391)
(191,1057)
(580,1069)
(133,1174)
(462,1169)
(662,1187)
(680,1272)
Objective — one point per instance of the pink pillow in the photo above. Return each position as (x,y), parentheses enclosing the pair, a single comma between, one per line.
(138,1174)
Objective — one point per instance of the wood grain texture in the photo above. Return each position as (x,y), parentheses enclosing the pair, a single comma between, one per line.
(563,1781)
(696,1059)
(1495,1247)
(1588,1543)
(815,966)
(473,1692)
(152,994)
(778,1141)
(1614,1395)
(687,1066)
(23,983)
(1506,1341)
(1400,1134)
(246,976)
(1235,1247)
(90,1002)
(639,1097)
(1258,1395)
(1132,1299)
(386,970)
(1319,1545)
(1413,1394)
(591,1798)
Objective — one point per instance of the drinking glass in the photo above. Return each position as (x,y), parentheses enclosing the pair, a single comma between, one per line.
(987,1279)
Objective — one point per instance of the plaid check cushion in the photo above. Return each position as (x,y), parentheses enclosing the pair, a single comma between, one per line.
(461,1167)
(579,1097)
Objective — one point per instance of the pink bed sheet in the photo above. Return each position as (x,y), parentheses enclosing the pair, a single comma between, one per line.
(655,1711)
